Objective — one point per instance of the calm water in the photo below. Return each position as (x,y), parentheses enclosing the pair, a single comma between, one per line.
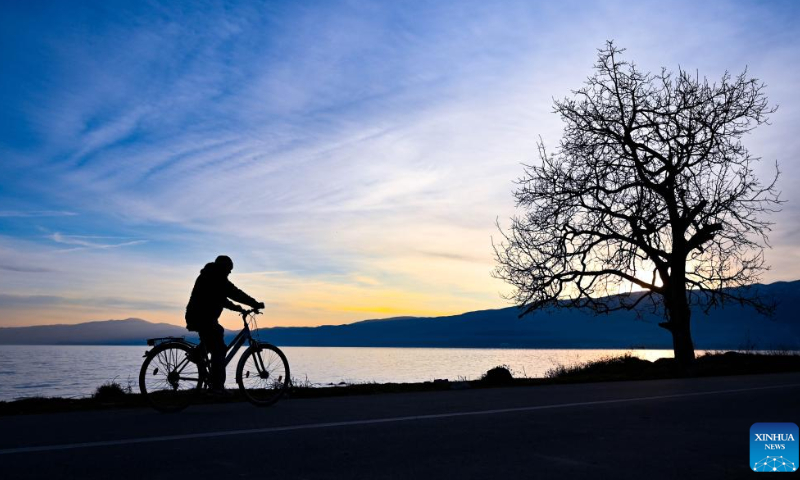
(76,371)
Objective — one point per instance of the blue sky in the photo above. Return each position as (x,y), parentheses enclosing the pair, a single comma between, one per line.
(351,157)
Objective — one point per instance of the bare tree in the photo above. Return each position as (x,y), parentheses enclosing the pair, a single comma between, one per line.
(650,200)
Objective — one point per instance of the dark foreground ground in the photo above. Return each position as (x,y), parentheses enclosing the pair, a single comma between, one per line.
(680,428)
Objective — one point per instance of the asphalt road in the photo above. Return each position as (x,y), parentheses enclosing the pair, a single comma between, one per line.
(693,428)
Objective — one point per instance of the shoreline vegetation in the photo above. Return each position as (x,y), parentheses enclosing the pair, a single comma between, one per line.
(627,367)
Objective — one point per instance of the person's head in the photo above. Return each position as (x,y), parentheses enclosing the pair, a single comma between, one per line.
(224,263)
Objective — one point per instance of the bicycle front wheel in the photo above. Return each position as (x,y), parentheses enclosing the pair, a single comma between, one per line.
(263,374)
(169,377)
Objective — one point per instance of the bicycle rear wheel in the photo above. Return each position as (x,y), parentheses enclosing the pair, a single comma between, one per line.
(169,377)
(263,374)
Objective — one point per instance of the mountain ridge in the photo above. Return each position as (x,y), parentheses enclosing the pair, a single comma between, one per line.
(732,327)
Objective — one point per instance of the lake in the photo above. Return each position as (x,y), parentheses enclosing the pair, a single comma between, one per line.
(76,371)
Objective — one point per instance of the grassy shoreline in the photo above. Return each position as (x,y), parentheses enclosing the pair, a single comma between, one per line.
(621,368)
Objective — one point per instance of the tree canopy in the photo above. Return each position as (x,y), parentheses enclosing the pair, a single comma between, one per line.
(650,194)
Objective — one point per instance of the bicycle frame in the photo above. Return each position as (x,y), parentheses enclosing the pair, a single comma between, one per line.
(237,342)
(240,338)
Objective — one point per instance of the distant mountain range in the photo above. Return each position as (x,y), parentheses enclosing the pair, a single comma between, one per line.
(730,328)
(132,331)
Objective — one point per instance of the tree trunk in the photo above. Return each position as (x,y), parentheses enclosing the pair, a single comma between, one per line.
(679,325)
(682,342)
(677,305)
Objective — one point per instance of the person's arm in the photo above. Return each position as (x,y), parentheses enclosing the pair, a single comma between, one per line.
(239,296)
(232,306)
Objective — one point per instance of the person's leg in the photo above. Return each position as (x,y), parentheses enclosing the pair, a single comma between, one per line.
(213,337)
(218,358)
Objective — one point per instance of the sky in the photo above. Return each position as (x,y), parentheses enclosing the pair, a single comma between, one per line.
(351,157)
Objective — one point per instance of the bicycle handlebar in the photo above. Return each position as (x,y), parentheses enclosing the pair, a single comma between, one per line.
(246,313)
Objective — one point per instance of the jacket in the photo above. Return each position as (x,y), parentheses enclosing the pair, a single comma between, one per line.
(211,293)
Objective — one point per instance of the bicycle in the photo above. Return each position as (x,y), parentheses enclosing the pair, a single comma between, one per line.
(176,369)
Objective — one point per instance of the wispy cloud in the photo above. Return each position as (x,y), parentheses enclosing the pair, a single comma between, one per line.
(35,213)
(91,242)
(115,303)
(22,269)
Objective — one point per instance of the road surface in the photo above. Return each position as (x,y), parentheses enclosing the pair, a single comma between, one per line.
(688,428)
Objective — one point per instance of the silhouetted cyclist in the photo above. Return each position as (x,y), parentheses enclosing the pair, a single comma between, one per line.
(211,293)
